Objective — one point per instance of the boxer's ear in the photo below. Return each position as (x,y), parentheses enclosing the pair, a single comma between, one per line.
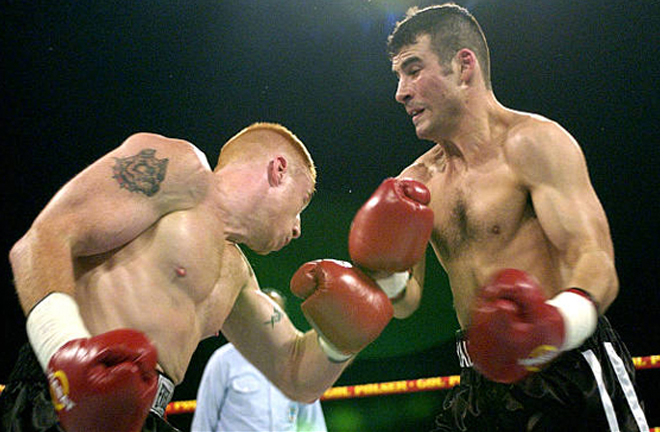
(277,169)
(467,64)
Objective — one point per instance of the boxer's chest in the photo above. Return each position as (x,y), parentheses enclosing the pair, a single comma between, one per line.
(476,209)
(181,255)
(187,249)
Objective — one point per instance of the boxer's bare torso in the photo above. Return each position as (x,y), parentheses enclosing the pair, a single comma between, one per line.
(150,253)
(176,282)
(484,217)
(146,238)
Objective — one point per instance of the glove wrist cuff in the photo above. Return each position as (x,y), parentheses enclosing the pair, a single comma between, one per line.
(53,322)
(393,284)
(586,294)
(579,314)
(333,354)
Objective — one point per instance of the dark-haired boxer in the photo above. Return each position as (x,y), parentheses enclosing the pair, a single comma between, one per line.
(524,241)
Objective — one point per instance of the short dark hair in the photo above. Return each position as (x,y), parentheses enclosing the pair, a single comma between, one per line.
(451,28)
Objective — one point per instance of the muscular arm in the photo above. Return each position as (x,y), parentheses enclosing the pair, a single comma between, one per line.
(291,360)
(551,164)
(104,207)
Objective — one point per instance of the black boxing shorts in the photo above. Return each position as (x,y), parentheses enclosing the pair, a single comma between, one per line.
(591,388)
(25,404)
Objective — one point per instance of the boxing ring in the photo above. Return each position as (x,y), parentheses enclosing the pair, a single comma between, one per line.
(394,387)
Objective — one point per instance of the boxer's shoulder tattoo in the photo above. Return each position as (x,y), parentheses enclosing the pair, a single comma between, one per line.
(274,318)
(143,172)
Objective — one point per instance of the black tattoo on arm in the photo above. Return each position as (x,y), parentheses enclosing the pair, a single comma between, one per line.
(274,318)
(140,173)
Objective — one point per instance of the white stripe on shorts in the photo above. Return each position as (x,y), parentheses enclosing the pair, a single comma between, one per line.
(626,385)
(594,364)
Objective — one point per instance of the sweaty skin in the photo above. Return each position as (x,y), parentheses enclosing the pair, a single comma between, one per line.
(508,189)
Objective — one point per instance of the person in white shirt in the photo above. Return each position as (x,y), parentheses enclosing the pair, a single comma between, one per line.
(234,396)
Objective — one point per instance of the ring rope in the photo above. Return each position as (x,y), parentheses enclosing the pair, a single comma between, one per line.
(394,387)
(398,387)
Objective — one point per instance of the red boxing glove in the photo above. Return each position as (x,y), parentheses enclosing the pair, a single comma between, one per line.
(391,230)
(106,383)
(515,331)
(345,306)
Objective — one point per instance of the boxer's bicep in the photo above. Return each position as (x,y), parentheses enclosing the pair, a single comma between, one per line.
(552,167)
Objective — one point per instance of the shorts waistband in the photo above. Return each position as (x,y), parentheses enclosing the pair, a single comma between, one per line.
(464,359)
(163,395)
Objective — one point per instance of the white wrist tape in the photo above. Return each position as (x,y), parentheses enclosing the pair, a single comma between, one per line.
(393,284)
(580,317)
(333,353)
(54,321)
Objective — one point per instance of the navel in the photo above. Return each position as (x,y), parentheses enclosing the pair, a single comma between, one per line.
(181,272)
(495,229)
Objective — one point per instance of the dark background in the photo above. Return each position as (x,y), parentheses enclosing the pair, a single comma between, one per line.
(79,77)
